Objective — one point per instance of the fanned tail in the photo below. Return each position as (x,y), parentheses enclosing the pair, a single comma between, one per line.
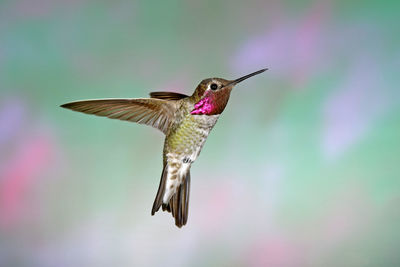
(178,205)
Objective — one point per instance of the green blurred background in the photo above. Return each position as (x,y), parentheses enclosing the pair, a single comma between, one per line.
(302,168)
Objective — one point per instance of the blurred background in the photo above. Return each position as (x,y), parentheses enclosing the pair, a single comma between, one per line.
(302,168)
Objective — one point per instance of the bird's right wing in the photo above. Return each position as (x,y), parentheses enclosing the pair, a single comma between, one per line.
(157,113)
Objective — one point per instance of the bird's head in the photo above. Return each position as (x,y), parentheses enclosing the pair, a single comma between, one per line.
(212,94)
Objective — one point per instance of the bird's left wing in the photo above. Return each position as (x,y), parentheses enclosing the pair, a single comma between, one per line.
(157,113)
(167,95)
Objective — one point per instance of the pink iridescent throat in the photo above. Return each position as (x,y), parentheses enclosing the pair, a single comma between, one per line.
(204,107)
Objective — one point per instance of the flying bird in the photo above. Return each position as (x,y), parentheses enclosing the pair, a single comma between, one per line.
(186,122)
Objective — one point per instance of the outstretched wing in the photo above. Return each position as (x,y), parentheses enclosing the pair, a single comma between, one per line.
(157,113)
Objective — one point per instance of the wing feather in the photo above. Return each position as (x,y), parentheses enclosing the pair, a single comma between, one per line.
(158,113)
(167,95)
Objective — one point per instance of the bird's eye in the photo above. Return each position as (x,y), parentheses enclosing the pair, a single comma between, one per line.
(213,86)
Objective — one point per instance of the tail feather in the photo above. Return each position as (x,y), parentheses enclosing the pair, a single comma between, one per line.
(185,190)
(161,189)
(178,204)
(166,207)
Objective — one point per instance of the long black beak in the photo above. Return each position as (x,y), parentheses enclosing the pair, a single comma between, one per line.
(246,77)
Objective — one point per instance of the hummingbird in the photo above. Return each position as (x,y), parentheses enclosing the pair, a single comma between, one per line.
(186,122)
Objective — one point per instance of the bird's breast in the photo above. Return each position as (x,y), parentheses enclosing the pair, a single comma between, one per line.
(189,135)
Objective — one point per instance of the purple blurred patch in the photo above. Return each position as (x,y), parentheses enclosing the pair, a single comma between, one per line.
(11,119)
(351,110)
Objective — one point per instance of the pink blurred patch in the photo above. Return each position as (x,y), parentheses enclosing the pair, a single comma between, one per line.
(349,212)
(175,85)
(19,175)
(39,8)
(307,40)
(29,9)
(274,251)
(217,205)
(286,48)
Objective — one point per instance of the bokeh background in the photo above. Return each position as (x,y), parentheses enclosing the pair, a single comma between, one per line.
(302,168)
